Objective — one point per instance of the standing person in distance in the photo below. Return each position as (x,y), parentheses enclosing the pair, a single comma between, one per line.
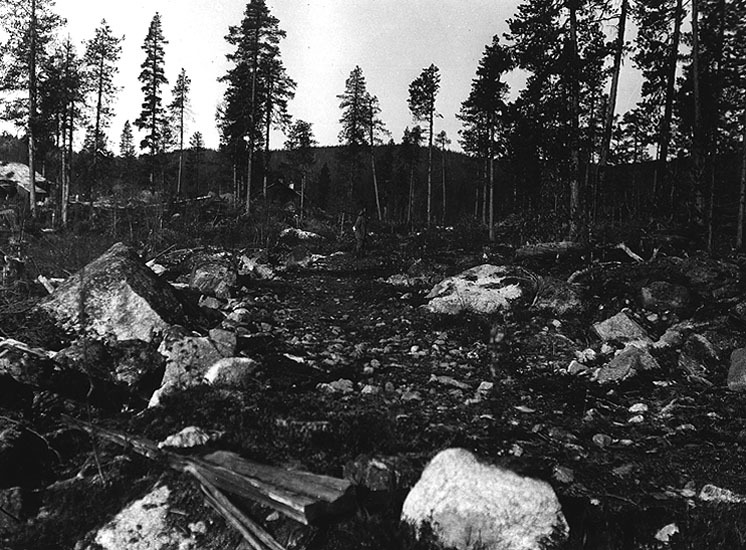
(360,229)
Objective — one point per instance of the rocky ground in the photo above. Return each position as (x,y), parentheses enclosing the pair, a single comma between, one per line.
(622,388)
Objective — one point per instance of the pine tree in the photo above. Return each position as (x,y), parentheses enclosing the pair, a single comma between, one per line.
(194,159)
(300,143)
(251,93)
(657,55)
(483,110)
(376,129)
(100,64)
(422,94)
(30,26)
(411,141)
(153,78)
(442,141)
(178,109)
(355,105)
(127,141)
(279,89)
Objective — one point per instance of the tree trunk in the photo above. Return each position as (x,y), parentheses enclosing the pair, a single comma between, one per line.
(664,137)
(97,126)
(714,142)
(32,110)
(373,161)
(492,183)
(611,107)
(267,129)
(411,193)
(577,229)
(443,169)
(181,147)
(302,193)
(742,198)
(699,195)
(430,167)
(252,122)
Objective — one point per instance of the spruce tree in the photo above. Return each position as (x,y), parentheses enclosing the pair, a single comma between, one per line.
(355,105)
(253,88)
(482,113)
(178,108)
(422,94)
(100,64)
(300,143)
(153,78)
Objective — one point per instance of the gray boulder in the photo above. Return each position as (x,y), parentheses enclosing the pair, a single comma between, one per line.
(115,295)
(188,359)
(216,277)
(468,505)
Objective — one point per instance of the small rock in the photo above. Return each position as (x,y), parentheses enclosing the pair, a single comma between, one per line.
(576,368)
(602,440)
(586,356)
(369,389)
(563,474)
(343,385)
(485,388)
(375,363)
(210,302)
(639,419)
(197,528)
(232,372)
(638,408)
(191,436)
(665,533)
(620,327)
(410,395)
(628,363)
(624,470)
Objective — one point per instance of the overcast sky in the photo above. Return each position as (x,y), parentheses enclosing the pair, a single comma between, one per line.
(391,40)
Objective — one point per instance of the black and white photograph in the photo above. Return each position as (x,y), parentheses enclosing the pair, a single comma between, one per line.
(372,275)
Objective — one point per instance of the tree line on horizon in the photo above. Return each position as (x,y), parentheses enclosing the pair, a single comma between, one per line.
(550,149)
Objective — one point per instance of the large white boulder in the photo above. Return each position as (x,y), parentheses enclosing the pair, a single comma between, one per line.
(472,505)
(483,289)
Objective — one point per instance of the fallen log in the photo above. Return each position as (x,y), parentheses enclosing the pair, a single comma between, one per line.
(549,251)
(305,497)
(252,532)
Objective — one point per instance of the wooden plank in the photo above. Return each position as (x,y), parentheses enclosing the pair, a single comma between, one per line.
(318,487)
(252,532)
